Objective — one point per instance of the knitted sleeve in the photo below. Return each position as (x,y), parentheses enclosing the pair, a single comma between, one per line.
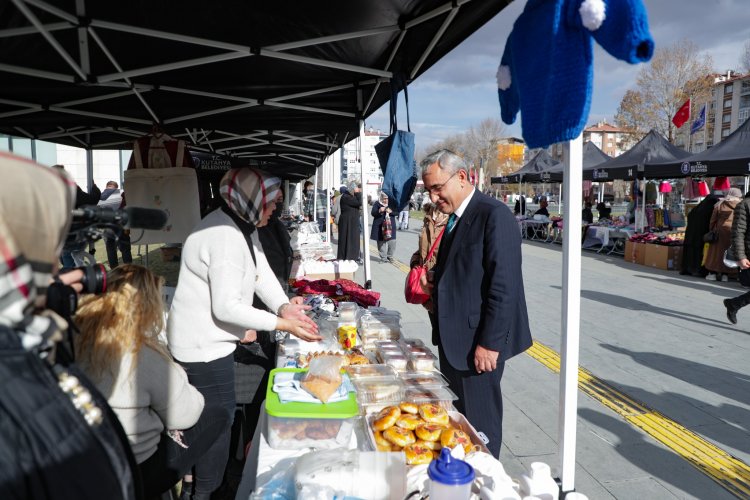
(619,26)
(507,92)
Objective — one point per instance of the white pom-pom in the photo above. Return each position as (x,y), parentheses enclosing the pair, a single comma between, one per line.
(503,77)
(592,13)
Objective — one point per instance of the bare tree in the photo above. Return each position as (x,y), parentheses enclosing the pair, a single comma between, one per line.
(745,58)
(482,140)
(675,73)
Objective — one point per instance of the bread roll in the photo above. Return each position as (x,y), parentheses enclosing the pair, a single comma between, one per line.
(399,436)
(429,432)
(386,418)
(409,421)
(417,454)
(450,438)
(434,414)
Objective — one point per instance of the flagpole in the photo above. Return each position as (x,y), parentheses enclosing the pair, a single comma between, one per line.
(705,128)
(690,115)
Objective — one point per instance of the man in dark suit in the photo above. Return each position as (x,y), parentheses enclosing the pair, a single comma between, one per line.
(477,292)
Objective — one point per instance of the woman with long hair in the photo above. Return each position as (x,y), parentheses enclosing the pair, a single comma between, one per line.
(721,225)
(223,268)
(119,348)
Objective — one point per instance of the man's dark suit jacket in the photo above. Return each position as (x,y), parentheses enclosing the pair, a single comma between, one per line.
(479,287)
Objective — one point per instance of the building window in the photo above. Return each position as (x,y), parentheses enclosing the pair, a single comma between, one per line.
(727,103)
(724,133)
(743,115)
(728,88)
(745,101)
(745,87)
(726,118)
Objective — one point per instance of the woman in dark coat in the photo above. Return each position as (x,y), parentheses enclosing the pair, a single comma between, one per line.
(379,212)
(698,222)
(349,232)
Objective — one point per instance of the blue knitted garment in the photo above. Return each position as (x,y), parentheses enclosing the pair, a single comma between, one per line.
(546,71)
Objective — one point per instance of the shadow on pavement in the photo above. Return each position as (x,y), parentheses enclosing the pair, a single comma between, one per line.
(727,383)
(656,461)
(637,305)
(729,289)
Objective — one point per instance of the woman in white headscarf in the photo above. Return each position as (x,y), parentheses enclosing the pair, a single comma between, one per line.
(223,267)
(386,239)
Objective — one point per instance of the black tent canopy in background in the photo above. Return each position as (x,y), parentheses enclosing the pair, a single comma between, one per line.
(652,148)
(541,162)
(282,82)
(592,156)
(729,157)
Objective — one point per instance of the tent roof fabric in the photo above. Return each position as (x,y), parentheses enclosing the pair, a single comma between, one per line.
(592,156)
(652,148)
(541,162)
(729,157)
(281,82)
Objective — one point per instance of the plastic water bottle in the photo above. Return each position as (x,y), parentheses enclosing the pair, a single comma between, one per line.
(539,483)
(450,478)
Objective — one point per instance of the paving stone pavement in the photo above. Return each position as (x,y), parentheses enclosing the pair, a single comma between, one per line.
(659,337)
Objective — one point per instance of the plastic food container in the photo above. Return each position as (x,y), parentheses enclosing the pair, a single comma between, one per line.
(294,426)
(357,372)
(411,343)
(422,361)
(348,311)
(424,379)
(450,478)
(436,394)
(398,361)
(387,345)
(382,390)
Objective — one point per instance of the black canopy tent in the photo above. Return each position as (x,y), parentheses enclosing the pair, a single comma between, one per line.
(592,156)
(282,83)
(541,162)
(653,148)
(729,157)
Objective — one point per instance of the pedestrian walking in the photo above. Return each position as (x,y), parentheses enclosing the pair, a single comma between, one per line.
(403,219)
(740,251)
(349,229)
(720,229)
(383,228)
(698,222)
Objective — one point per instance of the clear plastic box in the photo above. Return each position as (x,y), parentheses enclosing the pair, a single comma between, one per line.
(397,360)
(436,394)
(421,361)
(424,379)
(348,311)
(382,390)
(357,372)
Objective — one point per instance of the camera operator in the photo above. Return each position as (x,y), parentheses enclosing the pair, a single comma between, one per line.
(58,436)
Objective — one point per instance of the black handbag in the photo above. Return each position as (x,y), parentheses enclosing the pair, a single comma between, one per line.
(711,237)
(48,449)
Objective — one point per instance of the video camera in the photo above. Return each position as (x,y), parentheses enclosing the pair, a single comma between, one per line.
(92,223)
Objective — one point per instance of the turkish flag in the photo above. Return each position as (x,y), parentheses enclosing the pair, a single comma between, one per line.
(683,115)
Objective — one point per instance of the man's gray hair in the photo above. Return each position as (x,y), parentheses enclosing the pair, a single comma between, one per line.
(446,160)
(352,186)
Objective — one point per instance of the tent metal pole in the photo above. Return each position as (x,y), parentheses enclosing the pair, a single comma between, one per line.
(315,198)
(286,196)
(747,184)
(333,38)
(365,222)
(212,112)
(311,109)
(38,73)
(571,312)
(160,68)
(31,30)
(69,111)
(643,211)
(89,168)
(326,64)
(435,39)
(328,164)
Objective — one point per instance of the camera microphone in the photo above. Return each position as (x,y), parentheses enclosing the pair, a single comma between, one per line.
(129,217)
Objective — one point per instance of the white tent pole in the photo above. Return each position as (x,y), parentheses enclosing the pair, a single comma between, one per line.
(286,196)
(365,208)
(643,211)
(315,198)
(571,311)
(327,182)
(747,184)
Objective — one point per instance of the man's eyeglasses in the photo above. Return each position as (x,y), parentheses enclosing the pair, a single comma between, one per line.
(438,188)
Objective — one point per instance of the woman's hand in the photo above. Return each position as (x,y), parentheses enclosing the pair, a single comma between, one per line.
(297,312)
(72,278)
(250,337)
(299,329)
(297,300)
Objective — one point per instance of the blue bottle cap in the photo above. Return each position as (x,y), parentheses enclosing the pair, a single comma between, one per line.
(449,470)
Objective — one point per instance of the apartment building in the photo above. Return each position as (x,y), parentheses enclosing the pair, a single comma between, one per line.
(609,138)
(350,161)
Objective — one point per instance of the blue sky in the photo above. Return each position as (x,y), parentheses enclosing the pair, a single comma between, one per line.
(461,90)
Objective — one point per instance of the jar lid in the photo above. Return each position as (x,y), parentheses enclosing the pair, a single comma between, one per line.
(449,470)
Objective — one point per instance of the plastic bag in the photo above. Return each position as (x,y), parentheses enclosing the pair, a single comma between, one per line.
(323,377)
(277,483)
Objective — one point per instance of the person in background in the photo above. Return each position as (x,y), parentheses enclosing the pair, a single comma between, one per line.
(739,251)
(721,225)
(477,292)
(112,197)
(349,230)
(71,253)
(336,206)
(380,210)
(275,239)
(605,213)
(308,201)
(223,268)
(588,215)
(630,210)
(543,204)
(698,222)
(520,208)
(433,224)
(118,347)
(403,218)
